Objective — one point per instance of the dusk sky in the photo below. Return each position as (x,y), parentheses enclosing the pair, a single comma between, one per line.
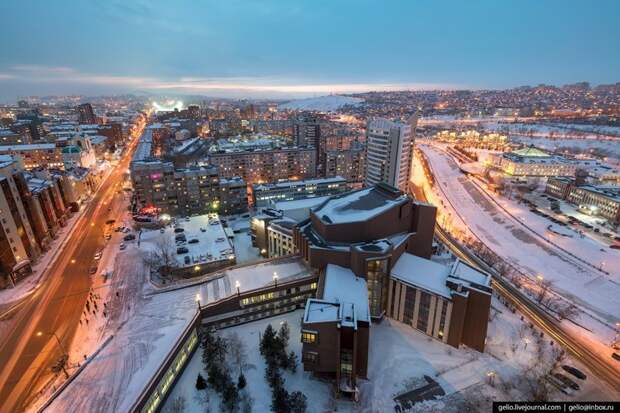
(300,48)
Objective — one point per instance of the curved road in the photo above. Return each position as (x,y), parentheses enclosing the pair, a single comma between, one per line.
(600,366)
(57,305)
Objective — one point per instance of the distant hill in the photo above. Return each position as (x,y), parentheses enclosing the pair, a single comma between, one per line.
(321,104)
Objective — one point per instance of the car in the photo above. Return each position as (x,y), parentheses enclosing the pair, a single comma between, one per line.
(179,229)
(187,260)
(92,270)
(566,381)
(129,237)
(559,384)
(110,221)
(182,250)
(117,229)
(108,237)
(193,241)
(126,230)
(98,255)
(122,246)
(615,356)
(597,230)
(161,231)
(575,372)
(180,237)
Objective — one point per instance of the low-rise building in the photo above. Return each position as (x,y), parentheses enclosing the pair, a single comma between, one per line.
(533,162)
(267,194)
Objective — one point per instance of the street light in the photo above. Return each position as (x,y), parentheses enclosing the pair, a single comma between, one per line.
(491,375)
(540,278)
(238,286)
(526,340)
(275,279)
(198,300)
(65,354)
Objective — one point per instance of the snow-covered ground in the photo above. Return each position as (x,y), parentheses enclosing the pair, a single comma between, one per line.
(205,240)
(329,103)
(317,391)
(399,358)
(612,148)
(474,212)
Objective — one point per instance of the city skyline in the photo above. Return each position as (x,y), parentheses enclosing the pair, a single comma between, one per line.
(298,49)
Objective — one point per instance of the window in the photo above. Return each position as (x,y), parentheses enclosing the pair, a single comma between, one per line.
(310,357)
(308,337)
(409,305)
(313,286)
(425,305)
(377,279)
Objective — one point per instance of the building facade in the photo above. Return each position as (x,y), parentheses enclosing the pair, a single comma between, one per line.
(269,165)
(389,149)
(267,194)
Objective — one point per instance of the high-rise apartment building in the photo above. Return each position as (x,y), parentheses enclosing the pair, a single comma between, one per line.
(86,114)
(389,148)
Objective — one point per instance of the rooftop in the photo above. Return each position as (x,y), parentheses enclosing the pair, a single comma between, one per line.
(422,273)
(345,299)
(358,205)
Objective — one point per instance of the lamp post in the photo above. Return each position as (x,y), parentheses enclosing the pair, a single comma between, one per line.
(491,375)
(275,279)
(526,341)
(238,286)
(65,354)
(198,301)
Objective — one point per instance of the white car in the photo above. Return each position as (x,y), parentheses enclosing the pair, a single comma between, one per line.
(98,255)
(122,246)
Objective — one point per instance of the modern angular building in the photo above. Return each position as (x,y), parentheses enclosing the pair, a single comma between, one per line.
(372,249)
(389,151)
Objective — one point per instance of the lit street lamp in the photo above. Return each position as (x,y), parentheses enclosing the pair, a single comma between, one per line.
(198,301)
(65,354)
(275,279)
(238,286)
(491,375)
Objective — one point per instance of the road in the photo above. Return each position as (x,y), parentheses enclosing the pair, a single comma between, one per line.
(598,365)
(56,307)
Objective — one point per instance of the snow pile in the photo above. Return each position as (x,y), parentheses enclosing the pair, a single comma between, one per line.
(329,103)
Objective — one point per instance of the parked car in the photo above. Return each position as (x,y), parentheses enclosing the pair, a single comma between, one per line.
(187,260)
(129,237)
(575,372)
(566,381)
(161,231)
(615,356)
(108,237)
(110,221)
(180,237)
(122,246)
(92,270)
(193,241)
(98,255)
(179,229)
(182,250)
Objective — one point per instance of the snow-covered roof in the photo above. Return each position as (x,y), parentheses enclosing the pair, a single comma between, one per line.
(358,205)
(345,299)
(27,147)
(299,209)
(251,277)
(422,273)
(466,272)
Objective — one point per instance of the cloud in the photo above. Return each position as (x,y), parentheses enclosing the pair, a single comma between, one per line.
(265,86)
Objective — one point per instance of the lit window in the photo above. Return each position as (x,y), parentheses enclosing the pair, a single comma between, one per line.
(308,337)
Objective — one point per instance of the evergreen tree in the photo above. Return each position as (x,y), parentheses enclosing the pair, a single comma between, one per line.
(267,341)
(298,402)
(292,362)
(201,384)
(241,382)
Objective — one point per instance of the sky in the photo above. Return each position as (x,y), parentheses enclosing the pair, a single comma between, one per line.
(294,48)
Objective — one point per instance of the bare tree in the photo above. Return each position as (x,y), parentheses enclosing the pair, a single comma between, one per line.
(543,291)
(237,351)
(163,255)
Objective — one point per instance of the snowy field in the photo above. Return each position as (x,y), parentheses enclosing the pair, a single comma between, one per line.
(471,209)
(329,103)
